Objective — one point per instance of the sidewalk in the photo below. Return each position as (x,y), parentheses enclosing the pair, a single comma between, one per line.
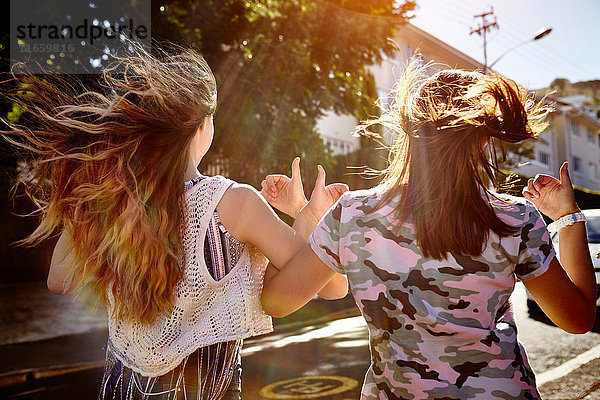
(29,361)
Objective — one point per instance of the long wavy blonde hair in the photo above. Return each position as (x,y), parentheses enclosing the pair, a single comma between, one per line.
(443,159)
(107,165)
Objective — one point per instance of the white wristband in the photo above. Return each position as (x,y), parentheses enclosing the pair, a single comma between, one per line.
(567,220)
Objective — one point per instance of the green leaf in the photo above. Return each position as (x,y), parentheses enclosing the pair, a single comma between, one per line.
(280,66)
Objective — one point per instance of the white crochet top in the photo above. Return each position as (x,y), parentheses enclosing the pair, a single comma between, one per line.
(205,311)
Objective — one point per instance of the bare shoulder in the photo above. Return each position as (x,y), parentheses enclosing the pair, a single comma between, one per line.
(239,207)
(236,197)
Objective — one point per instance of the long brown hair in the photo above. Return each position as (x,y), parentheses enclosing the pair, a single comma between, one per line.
(107,165)
(443,159)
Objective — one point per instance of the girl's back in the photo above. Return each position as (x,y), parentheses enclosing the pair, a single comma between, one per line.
(205,310)
(437,328)
(431,255)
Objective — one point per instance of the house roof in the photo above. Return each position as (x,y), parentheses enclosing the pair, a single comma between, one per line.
(427,41)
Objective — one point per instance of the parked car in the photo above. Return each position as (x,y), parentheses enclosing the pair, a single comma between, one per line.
(592,227)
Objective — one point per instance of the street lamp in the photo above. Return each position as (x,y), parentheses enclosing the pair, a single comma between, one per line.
(538,35)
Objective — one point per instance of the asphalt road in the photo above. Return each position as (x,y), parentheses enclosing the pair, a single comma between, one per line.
(328,361)
(567,365)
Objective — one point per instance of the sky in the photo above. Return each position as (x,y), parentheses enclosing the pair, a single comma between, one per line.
(571,50)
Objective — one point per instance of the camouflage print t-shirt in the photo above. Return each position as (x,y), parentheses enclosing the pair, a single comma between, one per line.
(438,329)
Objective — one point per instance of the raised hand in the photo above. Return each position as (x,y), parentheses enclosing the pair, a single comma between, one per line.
(323,197)
(551,196)
(284,193)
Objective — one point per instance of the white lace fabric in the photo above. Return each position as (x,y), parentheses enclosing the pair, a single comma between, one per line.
(205,311)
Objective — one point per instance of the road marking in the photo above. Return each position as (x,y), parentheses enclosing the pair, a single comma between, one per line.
(308,387)
(356,327)
(351,343)
(568,367)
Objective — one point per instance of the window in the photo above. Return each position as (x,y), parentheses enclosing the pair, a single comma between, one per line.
(591,136)
(544,158)
(577,167)
(574,128)
(593,171)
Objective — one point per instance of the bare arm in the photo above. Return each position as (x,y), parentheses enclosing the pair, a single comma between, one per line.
(291,283)
(567,291)
(62,257)
(336,288)
(249,218)
(287,195)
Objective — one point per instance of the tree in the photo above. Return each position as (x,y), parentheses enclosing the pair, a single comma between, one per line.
(280,64)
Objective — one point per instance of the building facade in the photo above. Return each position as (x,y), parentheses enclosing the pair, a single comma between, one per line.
(574,136)
(336,130)
(573,133)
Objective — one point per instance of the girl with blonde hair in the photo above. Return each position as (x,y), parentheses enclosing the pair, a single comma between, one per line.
(432,254)
(178,257)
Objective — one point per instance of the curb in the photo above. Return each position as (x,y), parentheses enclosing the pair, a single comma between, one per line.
(31,374)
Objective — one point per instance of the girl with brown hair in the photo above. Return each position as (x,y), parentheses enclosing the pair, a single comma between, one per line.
(432,253)
(178,257)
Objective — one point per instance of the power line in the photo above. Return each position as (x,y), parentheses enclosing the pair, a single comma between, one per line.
(512,33)
(449,13)
(488,21)
(553,54)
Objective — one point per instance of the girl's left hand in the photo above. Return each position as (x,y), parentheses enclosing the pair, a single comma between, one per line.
(323,197)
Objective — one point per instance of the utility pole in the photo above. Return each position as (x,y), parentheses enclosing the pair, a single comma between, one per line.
(485,25)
